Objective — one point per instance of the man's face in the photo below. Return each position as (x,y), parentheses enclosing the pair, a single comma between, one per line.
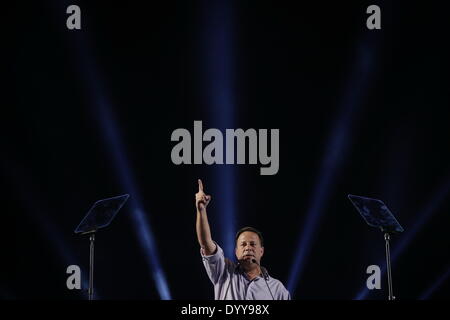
(248,247)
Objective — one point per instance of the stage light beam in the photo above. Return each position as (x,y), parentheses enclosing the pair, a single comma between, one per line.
(335,151)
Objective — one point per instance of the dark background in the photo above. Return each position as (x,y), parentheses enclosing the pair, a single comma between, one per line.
(311,69)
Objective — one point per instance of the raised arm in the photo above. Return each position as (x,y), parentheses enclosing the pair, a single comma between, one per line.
(202,226)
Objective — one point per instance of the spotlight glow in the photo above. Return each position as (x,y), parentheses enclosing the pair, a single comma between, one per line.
(334,156)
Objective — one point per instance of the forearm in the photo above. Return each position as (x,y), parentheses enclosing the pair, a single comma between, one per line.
(204,233)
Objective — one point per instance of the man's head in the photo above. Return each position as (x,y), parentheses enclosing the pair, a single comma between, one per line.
(249,245)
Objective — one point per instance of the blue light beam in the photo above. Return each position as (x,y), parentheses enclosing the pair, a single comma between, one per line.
(218,73)
(30,199)
(334,156)
(435,286)
(102,112)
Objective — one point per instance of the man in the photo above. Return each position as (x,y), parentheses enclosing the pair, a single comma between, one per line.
(246,280)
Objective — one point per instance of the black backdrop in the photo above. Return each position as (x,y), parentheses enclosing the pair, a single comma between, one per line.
(312,69)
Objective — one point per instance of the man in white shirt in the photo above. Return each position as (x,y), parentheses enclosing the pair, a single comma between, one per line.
(246,280)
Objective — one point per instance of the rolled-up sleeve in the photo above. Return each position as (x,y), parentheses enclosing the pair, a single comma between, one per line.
(214,264)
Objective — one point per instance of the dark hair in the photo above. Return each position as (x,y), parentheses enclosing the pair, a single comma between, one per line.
(251,229)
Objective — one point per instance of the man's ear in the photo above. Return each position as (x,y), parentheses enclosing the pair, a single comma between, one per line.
(262,251)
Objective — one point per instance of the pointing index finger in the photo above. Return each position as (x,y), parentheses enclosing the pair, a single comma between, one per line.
(200,185)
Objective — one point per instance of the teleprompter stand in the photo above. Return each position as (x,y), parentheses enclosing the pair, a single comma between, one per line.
(99,216)
(376,214)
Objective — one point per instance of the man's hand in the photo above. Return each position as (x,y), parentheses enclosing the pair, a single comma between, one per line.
(201,199)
